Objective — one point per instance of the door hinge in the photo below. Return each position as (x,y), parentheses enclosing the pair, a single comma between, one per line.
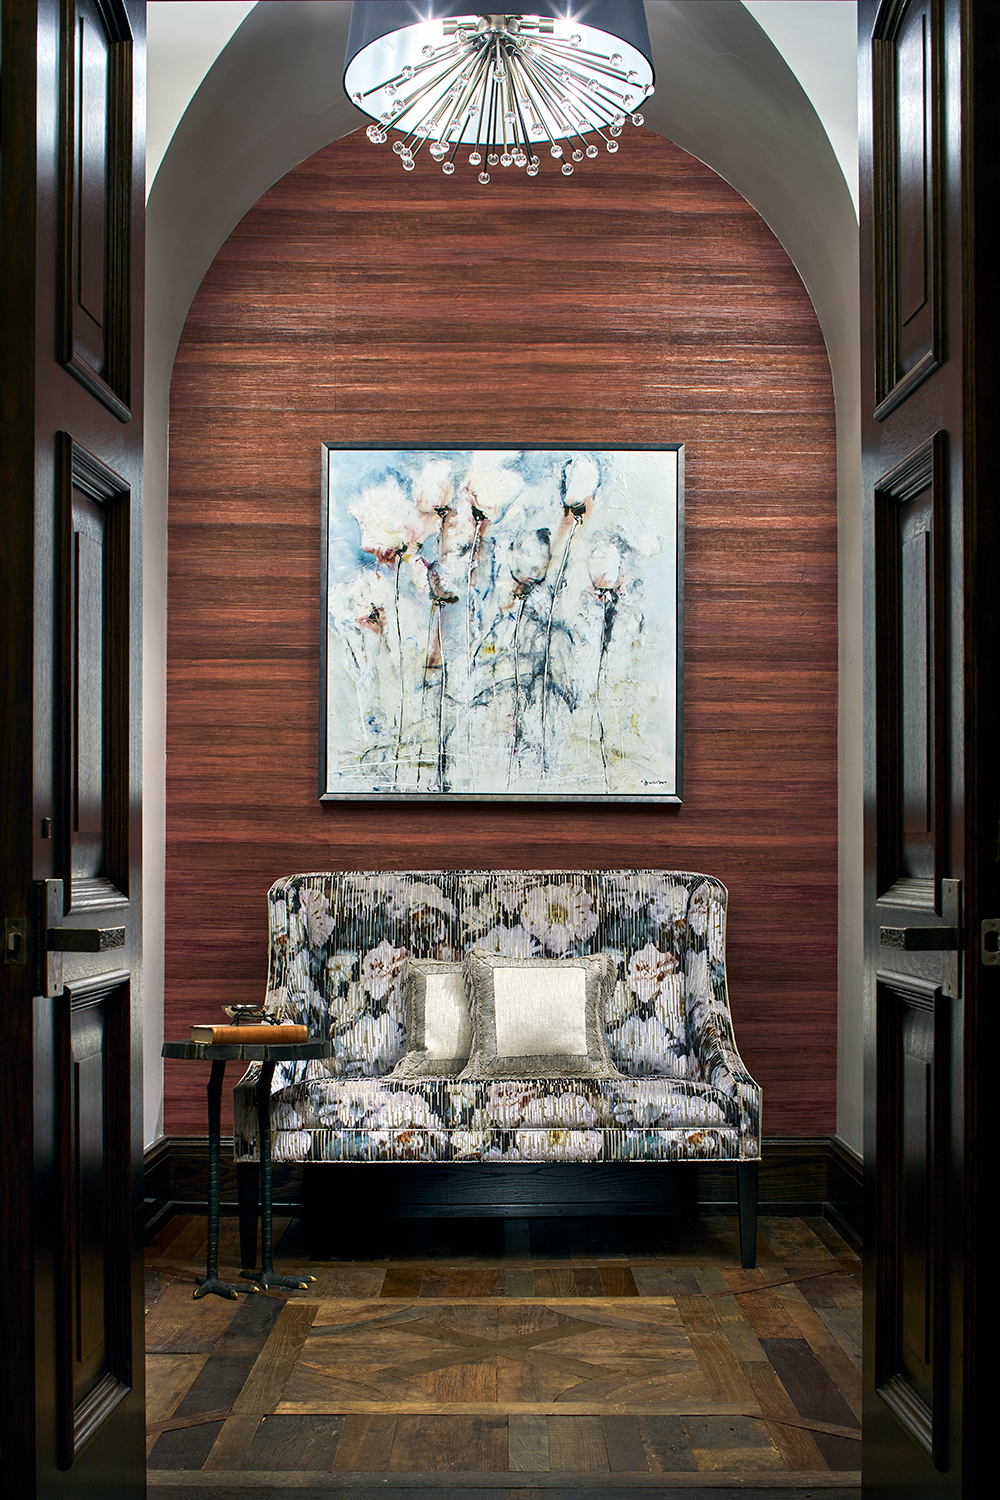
(15,940)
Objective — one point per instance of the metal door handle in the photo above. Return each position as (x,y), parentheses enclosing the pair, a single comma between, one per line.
(919,939)
(53,941)
(84,939)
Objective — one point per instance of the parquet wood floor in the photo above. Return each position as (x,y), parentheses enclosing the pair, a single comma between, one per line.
(539,1357)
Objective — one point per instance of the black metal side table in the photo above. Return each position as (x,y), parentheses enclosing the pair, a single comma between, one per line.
(267,1055)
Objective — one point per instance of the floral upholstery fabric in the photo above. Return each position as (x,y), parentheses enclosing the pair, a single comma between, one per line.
(338,943)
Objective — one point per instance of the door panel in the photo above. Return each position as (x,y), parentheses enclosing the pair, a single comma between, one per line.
(911,1368)
(94,1372)
(911,676)
(907,69)
(71,198)
(95,189)
(92,637)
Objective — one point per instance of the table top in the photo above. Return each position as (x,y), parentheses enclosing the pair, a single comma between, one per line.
(249,1051)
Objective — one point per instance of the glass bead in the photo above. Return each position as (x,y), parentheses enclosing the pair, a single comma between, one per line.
(555,151)
(637,119)
(474,158)
(591,152)
(493,159)
(537,129)
(506,160)
(578,155)
(534,162)
(612,147)
(406,72)
(372,132)
(616,59)
(616,130)
(532,169)
(484,178)
(520,160)
(439,150)
(448,168)
(427,51)
(398,147)
(567,169)
(408,163)
(575,39)
(508,118)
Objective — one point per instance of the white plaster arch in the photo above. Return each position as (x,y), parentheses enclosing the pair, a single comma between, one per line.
(273,97)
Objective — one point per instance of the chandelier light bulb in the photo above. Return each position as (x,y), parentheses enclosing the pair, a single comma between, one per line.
(501,84)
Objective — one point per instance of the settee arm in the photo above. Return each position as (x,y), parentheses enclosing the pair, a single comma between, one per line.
(723,1068)
(245,1132)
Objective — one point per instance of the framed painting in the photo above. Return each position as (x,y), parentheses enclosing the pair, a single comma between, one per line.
(502,623)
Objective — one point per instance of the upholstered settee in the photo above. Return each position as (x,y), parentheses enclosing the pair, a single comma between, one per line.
(338,947)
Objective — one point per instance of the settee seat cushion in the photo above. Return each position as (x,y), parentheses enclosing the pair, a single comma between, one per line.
(559,1120)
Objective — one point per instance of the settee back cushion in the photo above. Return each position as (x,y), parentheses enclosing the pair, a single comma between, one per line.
(338,943)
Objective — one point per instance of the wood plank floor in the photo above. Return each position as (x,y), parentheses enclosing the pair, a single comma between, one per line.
(548,1357)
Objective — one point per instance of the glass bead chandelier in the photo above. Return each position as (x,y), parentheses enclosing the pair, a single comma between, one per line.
(500,89)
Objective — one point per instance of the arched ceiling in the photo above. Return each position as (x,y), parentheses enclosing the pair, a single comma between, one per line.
(273,97)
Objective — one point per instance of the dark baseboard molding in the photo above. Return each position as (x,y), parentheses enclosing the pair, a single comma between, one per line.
(799,1175)
(845,1198)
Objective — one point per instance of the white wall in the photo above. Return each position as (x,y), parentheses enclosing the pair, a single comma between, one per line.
(272,96)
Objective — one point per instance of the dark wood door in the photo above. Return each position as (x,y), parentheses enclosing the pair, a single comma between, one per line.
(928,85)
(71,1375)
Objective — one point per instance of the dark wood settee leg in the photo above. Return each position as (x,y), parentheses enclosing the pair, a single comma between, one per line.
(747,1173)
(247,1192)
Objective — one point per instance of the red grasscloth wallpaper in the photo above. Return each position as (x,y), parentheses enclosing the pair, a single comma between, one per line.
(640,301)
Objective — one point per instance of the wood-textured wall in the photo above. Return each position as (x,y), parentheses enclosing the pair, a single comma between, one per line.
(640,301)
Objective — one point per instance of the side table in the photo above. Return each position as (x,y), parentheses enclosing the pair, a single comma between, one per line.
(267,1055)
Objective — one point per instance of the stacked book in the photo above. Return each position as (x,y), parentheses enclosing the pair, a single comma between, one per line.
(240,1036)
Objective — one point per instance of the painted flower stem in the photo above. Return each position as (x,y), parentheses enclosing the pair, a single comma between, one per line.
(402,694)
(480,520)
(548,633)
(515,731)
(441,758)
(610,599)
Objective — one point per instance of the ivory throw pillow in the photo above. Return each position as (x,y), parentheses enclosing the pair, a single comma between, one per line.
(539,1017)
(438,1026)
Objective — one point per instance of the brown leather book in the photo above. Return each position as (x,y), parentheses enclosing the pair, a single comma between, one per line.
(235,1036)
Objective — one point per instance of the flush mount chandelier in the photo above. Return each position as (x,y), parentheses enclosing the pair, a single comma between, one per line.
(499,89)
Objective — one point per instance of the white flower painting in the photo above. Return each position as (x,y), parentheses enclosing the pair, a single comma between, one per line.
(503,623)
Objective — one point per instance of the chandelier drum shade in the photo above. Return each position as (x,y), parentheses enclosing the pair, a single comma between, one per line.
(498,89)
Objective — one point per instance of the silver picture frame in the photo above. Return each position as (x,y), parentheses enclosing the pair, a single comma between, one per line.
(502,623)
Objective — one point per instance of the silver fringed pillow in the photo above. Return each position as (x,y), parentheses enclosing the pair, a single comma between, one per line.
(539,1017)
(438,1026)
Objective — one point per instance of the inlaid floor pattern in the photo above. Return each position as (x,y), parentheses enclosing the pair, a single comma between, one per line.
(531,1349)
